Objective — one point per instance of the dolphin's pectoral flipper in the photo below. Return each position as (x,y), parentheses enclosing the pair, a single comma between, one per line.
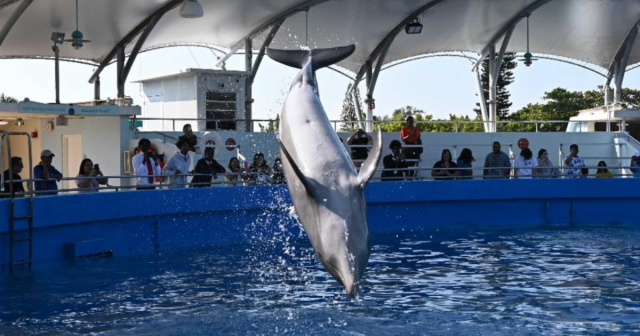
(320,58)
(368,168)
(308,184)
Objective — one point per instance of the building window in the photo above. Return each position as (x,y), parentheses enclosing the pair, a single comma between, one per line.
(222,108)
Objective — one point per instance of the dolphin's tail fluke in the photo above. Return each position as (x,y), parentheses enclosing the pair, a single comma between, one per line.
(320,58)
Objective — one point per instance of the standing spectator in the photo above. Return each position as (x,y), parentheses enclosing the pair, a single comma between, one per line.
(177,167)
(189,137)
(445,169)
(278,173)
(410,135)
(574,163)
(524,165)
(465,164)
(635,164)
(259,170)
(87,179)
(145,166)
(234,171)
(46,175)
(207,168)
(497,163)
(545,168)
(359,154)
(395,164)
(603,172)
(9,181)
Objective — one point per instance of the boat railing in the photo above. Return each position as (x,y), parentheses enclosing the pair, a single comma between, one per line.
(252,178)
(350,125)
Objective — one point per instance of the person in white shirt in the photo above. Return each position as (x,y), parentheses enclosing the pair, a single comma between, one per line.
(574,163)
(178,165)
(524,164)
(145,166)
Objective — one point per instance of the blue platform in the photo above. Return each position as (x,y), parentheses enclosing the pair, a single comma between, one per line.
(137,222)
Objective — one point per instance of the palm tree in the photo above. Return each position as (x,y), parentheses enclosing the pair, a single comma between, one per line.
(7,99)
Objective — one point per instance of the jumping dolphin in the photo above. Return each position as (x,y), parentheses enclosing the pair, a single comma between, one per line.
(326,189)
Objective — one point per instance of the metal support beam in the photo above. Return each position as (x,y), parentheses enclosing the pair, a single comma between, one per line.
(356,103)
(96,89)
(6,3)
(509,25)
(56,52)
(374,77)
(248,62)
(120,70)
(132,34)
(136,49)
(493,106)
(13,19)
(304,6)
(263,49)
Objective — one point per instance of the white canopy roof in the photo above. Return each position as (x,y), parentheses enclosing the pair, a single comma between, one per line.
(591,31)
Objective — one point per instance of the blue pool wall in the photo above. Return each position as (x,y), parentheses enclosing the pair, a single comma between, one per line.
(138,222)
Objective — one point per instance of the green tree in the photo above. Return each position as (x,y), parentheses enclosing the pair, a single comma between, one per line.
(272,125)
(398,118)
(7,99)
(505,78)
(349,111)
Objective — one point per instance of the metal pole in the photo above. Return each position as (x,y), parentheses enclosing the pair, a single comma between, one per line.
(96,89)
(56,51)
(248,63)
(120,69)
(370,100)
(492,89)
(483,102)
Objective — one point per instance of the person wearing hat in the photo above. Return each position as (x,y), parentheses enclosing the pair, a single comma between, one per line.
(359,154)
(395,164)
(635,164)
(45,174)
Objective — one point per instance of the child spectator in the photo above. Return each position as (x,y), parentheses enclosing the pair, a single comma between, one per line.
(574,163)
(603,172)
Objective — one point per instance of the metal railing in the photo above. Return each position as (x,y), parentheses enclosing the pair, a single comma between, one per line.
(457,125)
(245,178)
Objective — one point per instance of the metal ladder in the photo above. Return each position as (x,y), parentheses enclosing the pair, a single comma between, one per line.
(12,210)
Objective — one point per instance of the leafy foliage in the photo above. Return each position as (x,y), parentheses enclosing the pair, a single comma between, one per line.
(7,99)
(505,78)
(349,111)
(272,125)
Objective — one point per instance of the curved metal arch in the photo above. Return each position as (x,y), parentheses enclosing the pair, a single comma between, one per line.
(386,41)
(509,25)
(132,34)
(623,51)
(6,29)
(415,58)
(552,58)
(6,3)
(264,26)
(50,58)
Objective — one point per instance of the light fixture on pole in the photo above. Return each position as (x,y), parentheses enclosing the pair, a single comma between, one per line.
(191,9)
(77,38)
(57,38)
(413,27)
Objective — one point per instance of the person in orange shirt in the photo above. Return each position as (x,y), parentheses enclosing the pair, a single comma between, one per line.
(411,136)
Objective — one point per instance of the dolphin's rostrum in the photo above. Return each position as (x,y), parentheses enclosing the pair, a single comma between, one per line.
(326,189)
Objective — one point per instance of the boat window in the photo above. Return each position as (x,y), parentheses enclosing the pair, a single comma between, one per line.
(221,106)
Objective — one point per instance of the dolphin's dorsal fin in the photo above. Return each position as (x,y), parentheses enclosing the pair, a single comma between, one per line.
(320,58)
(368,168)
(308,184)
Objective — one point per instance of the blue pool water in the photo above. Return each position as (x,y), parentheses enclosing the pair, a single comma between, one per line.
(422,282)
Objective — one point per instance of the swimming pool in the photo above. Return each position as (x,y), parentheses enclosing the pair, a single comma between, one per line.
(419,282)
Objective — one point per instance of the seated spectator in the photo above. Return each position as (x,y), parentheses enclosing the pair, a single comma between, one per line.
(259,171)
(574,163)
(584,172)
(497,163)
(635,164)
(206,169)
(178,166)
(524,164)
(189,137)
(9,181)
(278,173)
(87,179)
(359,154)
(465,164)
(545,168)
(235,172)
(602,171)
(395,164)
(45,174)
(145,166)
(445,169)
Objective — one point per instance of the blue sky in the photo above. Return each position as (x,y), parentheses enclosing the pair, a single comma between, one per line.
(439,86)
